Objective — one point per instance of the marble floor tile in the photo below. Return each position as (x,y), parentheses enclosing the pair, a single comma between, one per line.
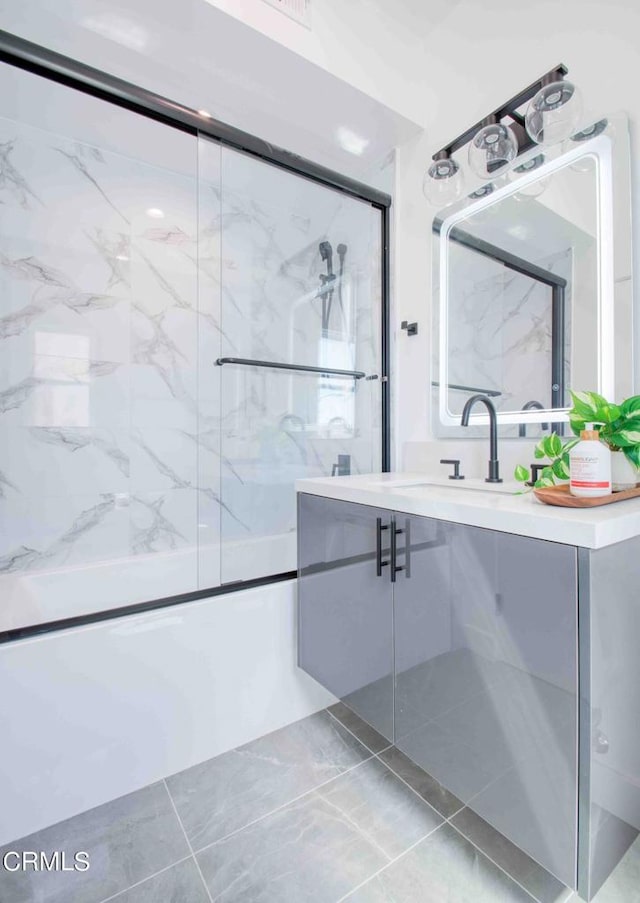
(305,852)
(443,868)
(424,784)
(526,871)
(382,807)
(320,847)
(366,734)
(224,794)
(128,840)
(179,884)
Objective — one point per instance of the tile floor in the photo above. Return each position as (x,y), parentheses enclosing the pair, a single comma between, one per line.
(318,812)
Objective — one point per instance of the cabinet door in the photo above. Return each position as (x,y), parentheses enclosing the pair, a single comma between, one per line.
(345,622)
(425,670)
(486,680)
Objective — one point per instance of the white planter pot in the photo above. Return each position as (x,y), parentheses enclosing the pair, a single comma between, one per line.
(623,474)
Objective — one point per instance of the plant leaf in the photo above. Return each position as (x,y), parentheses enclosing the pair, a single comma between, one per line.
(576,423)
(521,474)
(560,469)
(543,482)
(608,413)
(585,404)
(554,443)
(539,451)
(627,437)
(630,406)
(547,446)
(633,454)
(547,474)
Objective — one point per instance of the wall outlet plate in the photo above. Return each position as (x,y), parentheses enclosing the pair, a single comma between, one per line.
(299,10)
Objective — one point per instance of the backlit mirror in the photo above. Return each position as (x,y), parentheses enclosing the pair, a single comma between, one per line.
(532,286)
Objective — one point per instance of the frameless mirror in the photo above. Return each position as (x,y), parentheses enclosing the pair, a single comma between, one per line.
(532,286)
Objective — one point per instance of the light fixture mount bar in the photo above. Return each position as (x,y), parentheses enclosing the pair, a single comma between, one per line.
(509,108)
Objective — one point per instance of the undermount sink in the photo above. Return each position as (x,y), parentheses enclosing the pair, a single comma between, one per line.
(469,484)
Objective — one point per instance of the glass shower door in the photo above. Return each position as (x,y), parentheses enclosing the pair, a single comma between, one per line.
(99,321)
(300,288)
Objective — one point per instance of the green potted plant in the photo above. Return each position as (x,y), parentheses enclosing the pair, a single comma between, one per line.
(619,428)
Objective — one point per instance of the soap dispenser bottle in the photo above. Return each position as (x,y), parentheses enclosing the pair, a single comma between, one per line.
(590,465)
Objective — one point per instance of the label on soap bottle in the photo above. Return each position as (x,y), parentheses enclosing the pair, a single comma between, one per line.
(590,469)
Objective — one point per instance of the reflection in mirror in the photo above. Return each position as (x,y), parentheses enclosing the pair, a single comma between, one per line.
(523,278)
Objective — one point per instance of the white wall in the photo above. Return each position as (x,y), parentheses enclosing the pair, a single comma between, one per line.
(92,713)
(378,46)
(192,52)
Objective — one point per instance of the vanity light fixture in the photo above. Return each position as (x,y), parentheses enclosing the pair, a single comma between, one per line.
(553,113)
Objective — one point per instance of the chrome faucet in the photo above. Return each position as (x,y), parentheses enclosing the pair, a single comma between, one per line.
(494,464)
(531,406)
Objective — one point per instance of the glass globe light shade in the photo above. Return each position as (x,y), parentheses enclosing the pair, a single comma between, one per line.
(492,150)
(591,131)
(587,163)
(554,113)
(443,182)
(481,192)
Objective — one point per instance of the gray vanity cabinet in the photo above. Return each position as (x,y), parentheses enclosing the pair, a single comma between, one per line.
(471,651)
(345,620)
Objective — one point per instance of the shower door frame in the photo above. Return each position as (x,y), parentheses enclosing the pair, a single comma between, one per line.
(34,58)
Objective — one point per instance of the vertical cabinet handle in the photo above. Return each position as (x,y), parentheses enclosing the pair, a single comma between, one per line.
(379,562)
(407,548)
(395,567)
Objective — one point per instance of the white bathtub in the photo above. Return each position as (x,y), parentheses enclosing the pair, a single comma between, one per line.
(31,598)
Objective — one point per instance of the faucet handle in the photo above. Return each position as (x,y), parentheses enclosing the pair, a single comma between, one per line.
(535,470)
(456,475)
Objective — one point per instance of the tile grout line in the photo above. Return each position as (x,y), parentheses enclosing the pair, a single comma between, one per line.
(389,864)
(143,880)
(296,799)
(413,789)
(361,742)
(193,856)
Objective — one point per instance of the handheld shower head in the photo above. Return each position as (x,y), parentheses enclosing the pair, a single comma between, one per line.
(326,254)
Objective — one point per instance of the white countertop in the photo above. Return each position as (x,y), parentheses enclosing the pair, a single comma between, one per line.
(592,528)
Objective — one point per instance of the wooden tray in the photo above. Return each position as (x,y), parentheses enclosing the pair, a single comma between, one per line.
(560,495)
